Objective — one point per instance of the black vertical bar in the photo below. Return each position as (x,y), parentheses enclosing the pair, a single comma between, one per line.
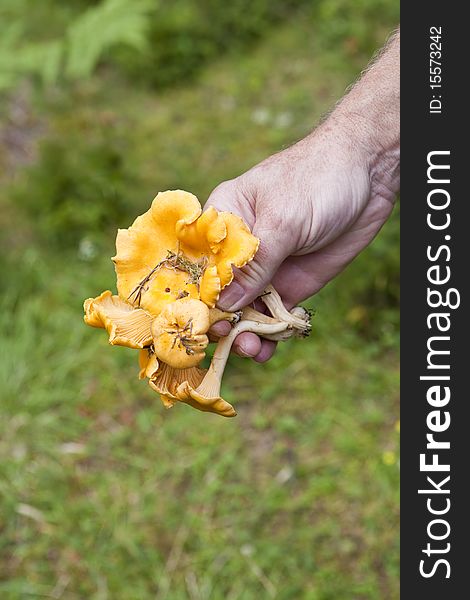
(423,132)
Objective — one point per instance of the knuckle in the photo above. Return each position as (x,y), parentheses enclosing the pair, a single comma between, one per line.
(223,195)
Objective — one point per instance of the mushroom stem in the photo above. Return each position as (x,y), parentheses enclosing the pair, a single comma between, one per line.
(210,385)
(251,314)
(299,322)
(216,315)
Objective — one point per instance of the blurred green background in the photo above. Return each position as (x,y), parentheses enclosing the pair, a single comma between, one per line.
(104,494)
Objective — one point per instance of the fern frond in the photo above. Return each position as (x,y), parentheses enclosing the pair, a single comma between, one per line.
(101,27)
(41,59)
(76,54)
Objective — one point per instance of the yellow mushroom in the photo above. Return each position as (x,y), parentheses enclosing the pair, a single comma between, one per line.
(164,379)
(224,238)
(148,363)
(168,379)
(179,333)
(171,265)
(173,251)
(206,396)
(298,318)
(125,324)
(210,286)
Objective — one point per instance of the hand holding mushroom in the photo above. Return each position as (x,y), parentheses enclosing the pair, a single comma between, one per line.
(315,205)
(171,266)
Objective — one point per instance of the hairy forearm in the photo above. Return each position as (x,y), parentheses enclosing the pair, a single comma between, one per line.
(369,117)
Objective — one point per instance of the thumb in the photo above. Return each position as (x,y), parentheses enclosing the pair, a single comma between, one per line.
(251,281)
(237,196)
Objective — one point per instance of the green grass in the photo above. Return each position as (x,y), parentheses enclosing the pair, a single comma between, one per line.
(105,495)
(136,500)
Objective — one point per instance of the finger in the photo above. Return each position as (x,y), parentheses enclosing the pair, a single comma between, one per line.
(250,281)
(220,329)
(267,350)
(228,196)
(247,345)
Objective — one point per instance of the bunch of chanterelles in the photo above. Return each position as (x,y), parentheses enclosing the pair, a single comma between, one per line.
(171,266)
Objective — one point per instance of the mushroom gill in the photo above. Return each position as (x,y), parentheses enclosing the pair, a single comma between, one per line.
(126,325)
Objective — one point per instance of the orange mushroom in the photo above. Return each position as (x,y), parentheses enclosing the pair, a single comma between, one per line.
(173,251)
(126,325)
(206,396)
(179,333)
(171,265)
(165,379)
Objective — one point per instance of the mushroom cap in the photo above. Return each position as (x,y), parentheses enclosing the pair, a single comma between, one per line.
(180,385)
(210,287)
(179,333)
(173,251)
(148,363)
(216,404)
(165,379)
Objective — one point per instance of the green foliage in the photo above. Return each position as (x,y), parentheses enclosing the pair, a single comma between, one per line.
(78,189)
(370,293)
(78,51)
(348,22)
(105,494)
(186,35)
(17,59)
(100,28)
(161,44)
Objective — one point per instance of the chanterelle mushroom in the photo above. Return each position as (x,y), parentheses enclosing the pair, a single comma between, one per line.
(298,318)
(179,333)
(206,396)
(171,265)
(173,251)
(126,325)
(165,379)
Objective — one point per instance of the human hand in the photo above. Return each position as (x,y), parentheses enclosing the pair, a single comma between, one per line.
(314,207)
(317,204)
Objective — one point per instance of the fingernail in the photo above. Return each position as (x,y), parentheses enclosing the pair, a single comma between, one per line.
(231,296)
(243,352)
(222,328)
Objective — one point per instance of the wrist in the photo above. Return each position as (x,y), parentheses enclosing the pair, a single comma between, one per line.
(373,137)
(369,117)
